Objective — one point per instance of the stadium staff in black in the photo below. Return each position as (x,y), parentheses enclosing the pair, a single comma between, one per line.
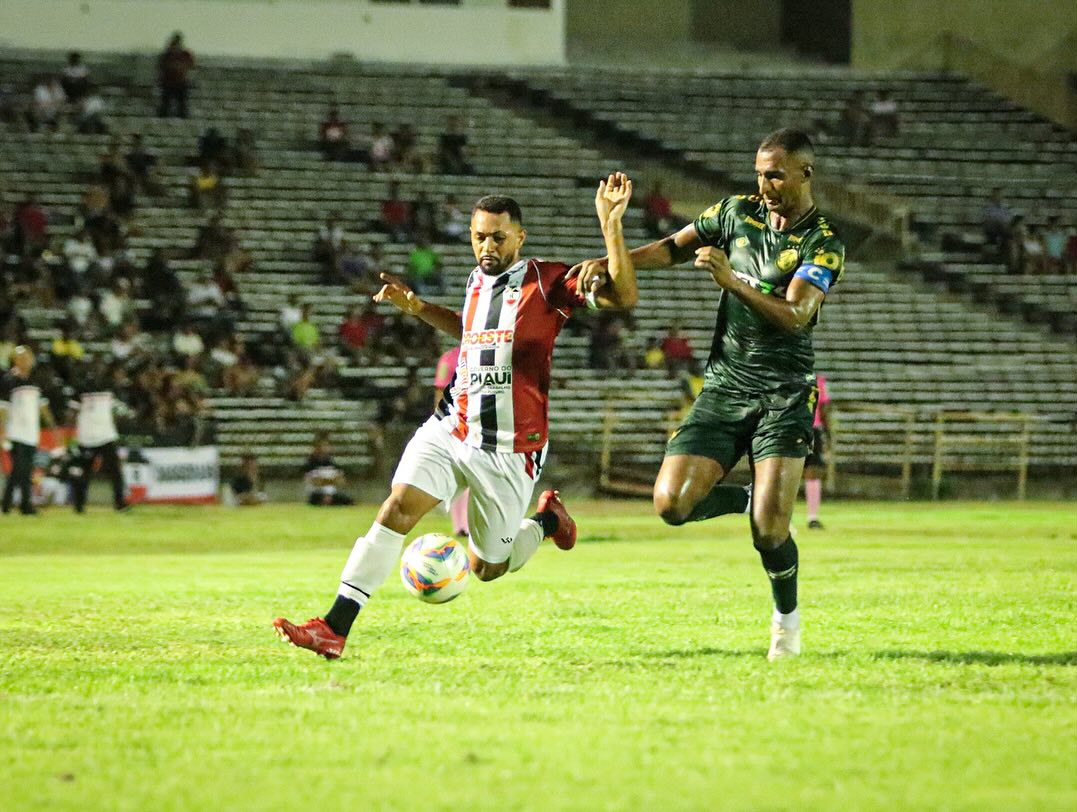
(775,256)
(97,438)
(21,411)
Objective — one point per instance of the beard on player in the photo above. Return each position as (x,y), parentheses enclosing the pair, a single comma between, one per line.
(497,236)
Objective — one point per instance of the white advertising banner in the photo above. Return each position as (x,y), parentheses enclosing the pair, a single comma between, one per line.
(174,475)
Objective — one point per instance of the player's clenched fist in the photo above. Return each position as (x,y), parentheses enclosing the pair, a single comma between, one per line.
(716,263)
(398,294)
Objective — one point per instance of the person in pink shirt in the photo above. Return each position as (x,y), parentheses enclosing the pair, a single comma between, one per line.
(443,376)
(816,462)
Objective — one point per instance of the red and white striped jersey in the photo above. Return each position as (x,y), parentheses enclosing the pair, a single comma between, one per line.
(499,398)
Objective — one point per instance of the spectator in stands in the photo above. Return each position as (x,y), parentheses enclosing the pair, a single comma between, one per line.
(424,217)
(653,357)
(75,78)
(454,220)
(658,213)
(205,301)
(130,343)
(333,136)
(677,350)
(396,216)
(91,114)
(80,255)
(115,305)
(229,288)
(424,269)
(323,478)
(241,379)
(245,152)
(305,334)
(353,267)
(381,148)
(1034,252)
(206,187)
(246,485)
(855,124)
(213,148)
(405,149)
(213,240)
(162,286)
(998,223)
(290,314)
(608,350)
(187,343)
(1015,254)
(1054,242)
(80,312)
(31,227)
(328,243)
(452,154)
(66,351)
(884,116)
(361,329)
(48,106)
(141,164)
(174,67)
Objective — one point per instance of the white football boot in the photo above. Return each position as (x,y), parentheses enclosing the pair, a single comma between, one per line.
(784,636)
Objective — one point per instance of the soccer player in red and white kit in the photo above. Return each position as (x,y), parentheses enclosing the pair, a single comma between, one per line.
(489,433)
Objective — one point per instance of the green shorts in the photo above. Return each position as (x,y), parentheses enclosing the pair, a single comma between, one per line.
(724,426)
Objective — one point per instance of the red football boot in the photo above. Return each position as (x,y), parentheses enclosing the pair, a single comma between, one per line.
(565,537)
(315,634)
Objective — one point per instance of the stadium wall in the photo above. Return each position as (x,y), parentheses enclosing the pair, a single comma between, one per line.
(483,32)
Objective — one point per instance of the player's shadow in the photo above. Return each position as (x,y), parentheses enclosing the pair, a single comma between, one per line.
(982,657)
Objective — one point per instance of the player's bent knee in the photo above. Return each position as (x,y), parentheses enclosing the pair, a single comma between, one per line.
(769,538)
(672,510)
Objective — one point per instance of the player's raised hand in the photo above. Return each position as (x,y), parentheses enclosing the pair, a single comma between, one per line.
(716,263)
(611,199)
(398,294)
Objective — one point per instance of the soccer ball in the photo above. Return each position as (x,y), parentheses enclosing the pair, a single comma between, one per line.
(434,568)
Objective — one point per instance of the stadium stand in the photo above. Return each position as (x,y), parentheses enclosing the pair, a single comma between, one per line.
(885,339)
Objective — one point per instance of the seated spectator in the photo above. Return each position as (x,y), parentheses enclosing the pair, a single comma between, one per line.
(206,187)
(676,350)
(322,478)
(241,379)
(213,149)
(657,213)
(187,343)
(31,227)
(141,164)
(1034,252)
(305,334)
(653,357)
(360,329)
(130,343)
(328,243)
(75,78)
(162,286)
(91,114)
(115,305)
(405,149)
(229,289)
(1054,243)
(213,241)
(246,485)
(424,269)
(245,152)
(174,67)
(290,315)
(333,136)
(80,311)
(424,217)
(452,154)
(353,267)
(189,378)
(884,116)
(396,216)
(998,220)
(609,349)
(855,124)
(455,223)
(205,301)
(66,351)
(381,148)
(81,257)
(48,106)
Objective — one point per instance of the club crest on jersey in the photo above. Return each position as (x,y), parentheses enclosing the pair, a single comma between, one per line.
(741,242)
(787,259)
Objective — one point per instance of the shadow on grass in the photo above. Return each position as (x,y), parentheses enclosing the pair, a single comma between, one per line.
(981,657)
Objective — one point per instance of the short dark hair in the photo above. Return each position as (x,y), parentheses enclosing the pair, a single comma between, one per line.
(500,204)
(789,140)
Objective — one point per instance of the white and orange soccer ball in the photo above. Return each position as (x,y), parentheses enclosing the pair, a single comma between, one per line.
(434,568)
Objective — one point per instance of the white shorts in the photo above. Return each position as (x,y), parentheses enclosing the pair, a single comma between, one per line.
(501,484)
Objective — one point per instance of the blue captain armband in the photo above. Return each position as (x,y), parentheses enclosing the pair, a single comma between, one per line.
(816,275)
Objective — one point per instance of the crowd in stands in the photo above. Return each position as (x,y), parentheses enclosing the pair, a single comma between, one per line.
(1024,247)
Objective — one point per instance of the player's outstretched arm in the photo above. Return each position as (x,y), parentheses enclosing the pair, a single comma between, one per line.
(791,314)
(404,299)
(617,287)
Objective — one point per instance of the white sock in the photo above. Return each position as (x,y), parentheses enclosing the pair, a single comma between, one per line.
(372,560)
(790,621)
(525,544)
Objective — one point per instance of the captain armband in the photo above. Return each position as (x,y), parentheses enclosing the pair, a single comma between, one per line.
(816,275)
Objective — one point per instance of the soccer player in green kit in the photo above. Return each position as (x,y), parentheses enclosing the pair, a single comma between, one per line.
(775,257)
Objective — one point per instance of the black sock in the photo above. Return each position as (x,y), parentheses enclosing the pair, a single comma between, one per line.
(341,617)
(547,521)
(721,500)
(781,565)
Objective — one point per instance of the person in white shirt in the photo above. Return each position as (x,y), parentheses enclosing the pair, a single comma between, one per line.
(49,100)
(187,342)
(80,253)
(95,430)
(21,410)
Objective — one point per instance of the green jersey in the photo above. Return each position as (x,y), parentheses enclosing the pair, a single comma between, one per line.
(750,354)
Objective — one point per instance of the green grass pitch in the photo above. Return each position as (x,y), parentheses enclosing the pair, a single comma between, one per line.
(138,669)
